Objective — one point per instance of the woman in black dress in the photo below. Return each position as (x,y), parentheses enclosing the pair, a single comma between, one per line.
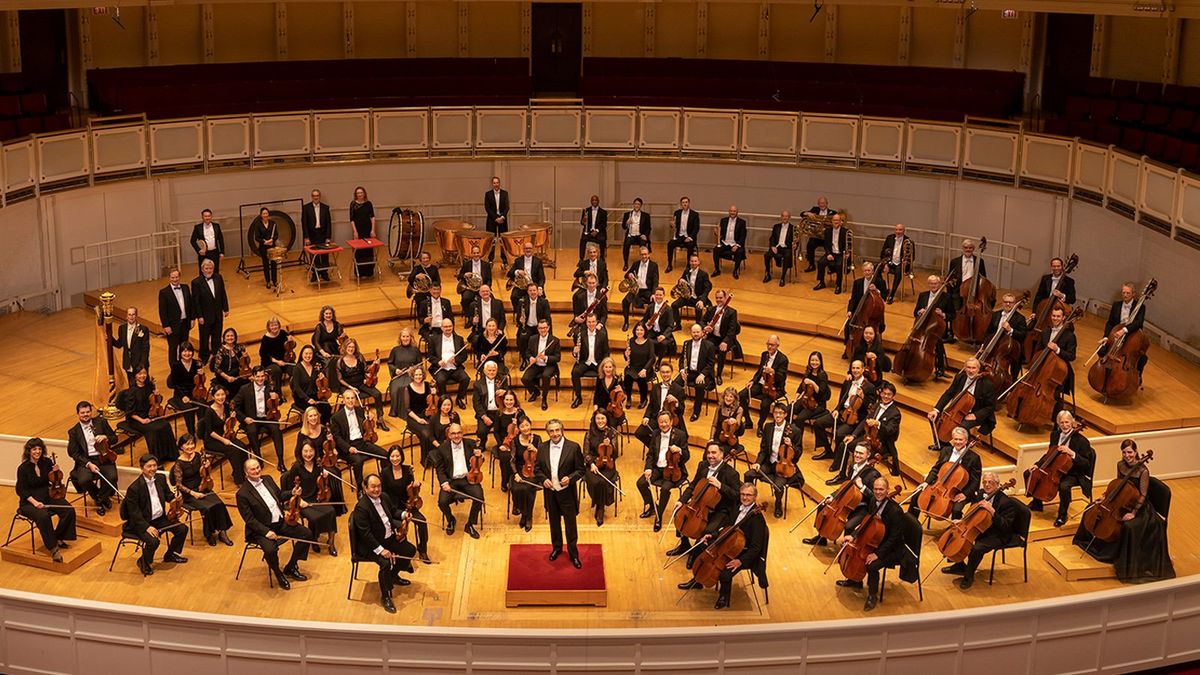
(272,349)
(182,381)
(510,413)
(350,372)
(602,492)
(318,433)
(416,405)
(362,216)
(135,402)
(230,364)
(326,335)
(211,428)
(524,491)
(607,385)
(872,343)
(33,489)
(322,517)
(397,477)
(729,407)
(639,359)
(443,418)
(491,344)
(264,231)
(814,376)
(186,476)
(304,384)
(400,362)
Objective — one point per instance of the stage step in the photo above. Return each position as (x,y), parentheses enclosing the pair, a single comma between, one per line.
(1075,565)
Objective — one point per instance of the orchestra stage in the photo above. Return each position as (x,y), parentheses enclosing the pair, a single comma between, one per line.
(49,366)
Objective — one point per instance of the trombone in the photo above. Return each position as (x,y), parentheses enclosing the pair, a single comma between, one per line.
(848,254)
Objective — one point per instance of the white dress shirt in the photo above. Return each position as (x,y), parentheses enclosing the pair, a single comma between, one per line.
(642,271)
(663,444)
(210,236)
(260,401)
(591,347)
(730,237)
(387,522)
(635,223)
(683,219)
(89,438)
(835,240)
(272,505)
(896,250)
(447,352)
(968,267)
(556,450)
(776,440)
(156,507)
(354,432)
(459,458)
(694,361)
(178,291)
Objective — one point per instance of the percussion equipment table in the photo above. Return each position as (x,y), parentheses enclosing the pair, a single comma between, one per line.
(331,265)
(365,244)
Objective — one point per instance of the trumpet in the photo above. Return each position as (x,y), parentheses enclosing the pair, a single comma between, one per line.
(682,289)
(470,281)
(519,280)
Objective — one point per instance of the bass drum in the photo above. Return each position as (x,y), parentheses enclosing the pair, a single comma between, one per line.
(406,233)
(286,237)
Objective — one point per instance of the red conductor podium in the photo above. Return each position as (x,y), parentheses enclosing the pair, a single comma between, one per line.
(534,580)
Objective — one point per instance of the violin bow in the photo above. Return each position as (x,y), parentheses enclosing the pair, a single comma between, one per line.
(463,494)
(671,519)
(303,541)
(327,471)
(836,556)
(614,485)
(370,454)
(110,484)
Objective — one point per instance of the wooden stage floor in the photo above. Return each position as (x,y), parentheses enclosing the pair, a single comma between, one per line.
(48,355)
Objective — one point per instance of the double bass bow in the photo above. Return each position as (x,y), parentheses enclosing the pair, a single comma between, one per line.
(1115,375)
(868,312)
(979,297)
(1041,316)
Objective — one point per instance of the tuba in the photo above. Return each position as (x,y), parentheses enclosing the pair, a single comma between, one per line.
(519,280)
(682,289)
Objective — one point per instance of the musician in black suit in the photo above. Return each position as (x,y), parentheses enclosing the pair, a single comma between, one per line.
(376,522)
(1123,314)
(1004,517)
(821,210)
(262,507)
(133,339)
(731,242)
(858,289)
(863,475)
(835,252)
(144,510)
(1057,283)
(446,354)
(956,451)
(668,388)
(347,426)
(892,252)
(316,224)
(1083,462)
(1012,322)
(431,309)
(962,269)
(753,525)
(530,310)
(250,404)
(890,551)
(534,271)
(779,248)
(968,380)
(592,262)
(776,362)
(660,321)
(495,205)
(591,347)
(645,273)
(855,384)
(559,466)
(92,475)
(593,226)
(696,361)
(701,286)
(486,306)
(663,438)
(584,298)
(715,472)
(33,491)
(721,327)
(685,231)
(940,302)
(775,435)
(475,264)
(540,358)
(207,241)
(212,306)
(1060,338)
(636,224)
(175,314)
(885,413)
(452,463)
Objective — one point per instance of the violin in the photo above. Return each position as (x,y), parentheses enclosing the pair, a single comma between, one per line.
(372,376)
(956,542)
(868,312)
(322,384)
(413,492)
(1041,317)
(292,516)
(1103,517)
(272,408)
(723,548)
(529,460)
(369,432)
(175,506)
(849,414)
(917,356)
(1115,375)
(289,349)
(867,537)
(1044,477)
(785,466)
(869,370)
(244,368)
(1030,400)
(431,407)
(58,489)
(475,469)
(231,423)
(604,454)
(671,406)
(831,519)
(328,453)
(673,472)
(107,454)
(206,481)
(872,434)
(730,426)
(157,407)
(998,355)
(769,390)
(956,411)
(691,519)
(979,297)
(199,387)
(808,394)
(938,497)
(616,403)
(323,491)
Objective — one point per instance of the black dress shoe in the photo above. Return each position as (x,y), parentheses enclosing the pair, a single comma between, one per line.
(820,286)
(174,558)
(837,291)
(810,268)
(450,526)
(657,524)
(624,326)
(424,557)
(1035,505)
(836,480)
(766,278)
(599,518)
(333,550)
(387,605)
(824,455)
(722,603)
(647,512)
(642,404)
(145,569)
(211,539)
(782,283)
(889,301)
(293,572)
(1059,522)
(678,550)
(815,541)
(669,269)
(223,537)
(716,273)
(576,402)
(689,585)
(966,582)
(847,583)
(778,511)
(403,582)
(736,274)
(532,395)
(694,417)
(383,425)
(471,531)
(544,404)
(956,568)
(554,554)
(528,526)
(100,510)
(282,581)
(870,603)
(576,562)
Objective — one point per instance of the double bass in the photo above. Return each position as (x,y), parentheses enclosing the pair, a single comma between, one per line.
(1041,316)
(831,519)
(917,357)
(979,297)
(726,546)
(1102,518)
(868,312)
(852,558)
(691,520)
(1030,400)
(937,499)
(1115,375)
(1045,476)
(957,541)
(998,355)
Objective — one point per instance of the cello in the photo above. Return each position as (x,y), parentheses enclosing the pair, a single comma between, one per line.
(937,499)
(1041,317)
(956,411)
(917,357)
(1115,375)
(979,297)
(1102,518)
(852,558)
(1047,473)
(691,519)
(957,541)
(723,548)
(1030,400)
(868,312)
(997,356)
(831,519)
